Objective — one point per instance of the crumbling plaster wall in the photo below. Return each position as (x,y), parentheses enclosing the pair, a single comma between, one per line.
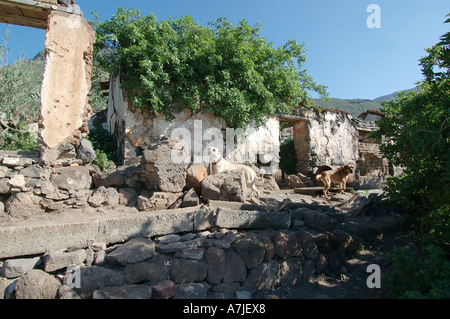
(135,130)
(328,138)
(66,82)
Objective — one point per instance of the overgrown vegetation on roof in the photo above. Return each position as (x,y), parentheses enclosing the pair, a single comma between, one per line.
(230,71)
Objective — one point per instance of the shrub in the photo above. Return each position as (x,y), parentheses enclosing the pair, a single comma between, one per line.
(423,274)
(104,147)
(229,71)
(417,138)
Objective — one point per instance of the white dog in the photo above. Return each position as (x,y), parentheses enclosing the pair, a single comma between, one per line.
(219,165)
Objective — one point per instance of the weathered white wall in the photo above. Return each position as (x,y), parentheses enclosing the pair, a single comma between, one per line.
(66,80)
(328,138)
(137,129)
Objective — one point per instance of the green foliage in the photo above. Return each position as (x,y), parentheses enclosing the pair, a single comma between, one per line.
(104,147)
(14,135)
(419,275)
(20,85)
(288,158)
(416,128)
(229,71)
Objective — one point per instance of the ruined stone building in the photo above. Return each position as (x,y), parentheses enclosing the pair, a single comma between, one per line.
(333,138)
(64,109)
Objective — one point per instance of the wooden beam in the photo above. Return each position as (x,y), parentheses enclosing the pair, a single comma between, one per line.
(24,21)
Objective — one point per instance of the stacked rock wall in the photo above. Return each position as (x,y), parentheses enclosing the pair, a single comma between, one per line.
(217,263)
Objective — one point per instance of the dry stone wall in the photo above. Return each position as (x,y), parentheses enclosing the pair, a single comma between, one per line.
(219,263)
(241,254)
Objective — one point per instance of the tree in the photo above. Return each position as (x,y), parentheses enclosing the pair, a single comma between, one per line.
(416,127)
(229,71)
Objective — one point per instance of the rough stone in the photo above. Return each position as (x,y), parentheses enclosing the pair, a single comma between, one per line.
(190,253)
(355,206)
(294,181)
(308,244)
(34,171)
(97,246)
(17,181)
(145,272)
(97,277)
(37,284)
(65,292)
(76,178)
(215,257)
(17,161)
(188,271)
(99,257)
(103,196)
(156,200)
(328,138)
(164,289)
(192,291)
(190,198)
(162,169)
(226,186)
(167,239)
(170,247)
(291,272)
(124,292)
(109,179)
(286,245)
(195,174)
(266,275)
(251,249)
(57,260)
(85,151)
(5,187)
(317,220)
(133,251)
(127,196)
(13,268)
(23,205)
(235,270)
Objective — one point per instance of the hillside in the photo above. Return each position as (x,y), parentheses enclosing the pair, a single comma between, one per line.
(357,106)
(353,106)
(394,95)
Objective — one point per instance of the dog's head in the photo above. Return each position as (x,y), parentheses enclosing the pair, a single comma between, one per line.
(214,154)
(349,168)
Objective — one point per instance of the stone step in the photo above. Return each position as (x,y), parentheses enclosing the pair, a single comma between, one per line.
(317,190)
(76,229)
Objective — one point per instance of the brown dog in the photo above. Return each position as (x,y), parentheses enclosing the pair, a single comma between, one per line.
(339,176)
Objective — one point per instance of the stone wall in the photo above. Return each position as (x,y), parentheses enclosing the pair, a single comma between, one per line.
(213,252)
(210,264)
(328,138)
(134,130)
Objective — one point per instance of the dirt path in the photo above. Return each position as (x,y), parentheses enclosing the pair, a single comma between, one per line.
(351,282)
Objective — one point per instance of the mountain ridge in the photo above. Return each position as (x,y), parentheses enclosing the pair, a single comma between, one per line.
(357,106)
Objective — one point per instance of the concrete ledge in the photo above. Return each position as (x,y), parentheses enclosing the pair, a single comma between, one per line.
(228,218)
(78,229)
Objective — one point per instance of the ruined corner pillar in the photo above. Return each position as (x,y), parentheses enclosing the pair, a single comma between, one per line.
(65,108)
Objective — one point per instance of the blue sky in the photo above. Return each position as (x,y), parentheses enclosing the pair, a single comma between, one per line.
(351,59)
